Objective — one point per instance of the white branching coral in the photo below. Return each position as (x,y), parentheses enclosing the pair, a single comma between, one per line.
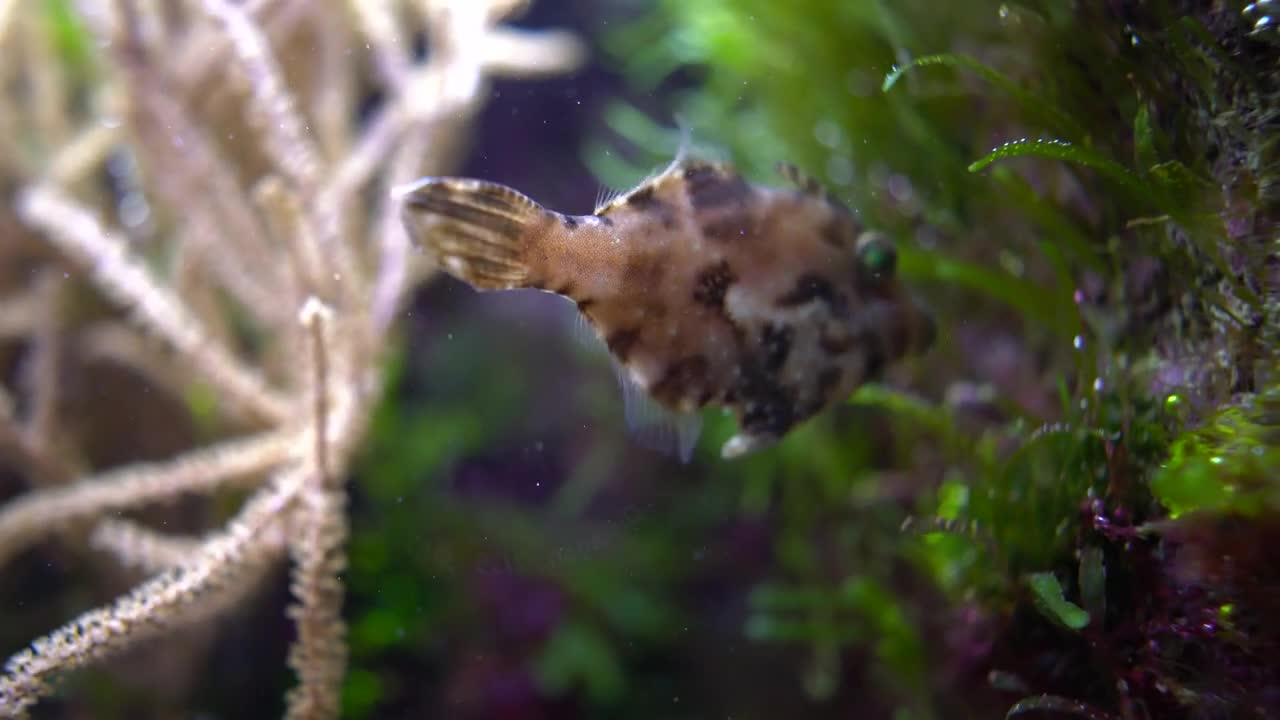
(255,255)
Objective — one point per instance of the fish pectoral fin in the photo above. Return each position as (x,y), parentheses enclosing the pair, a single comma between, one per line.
(655,427)
(746,443)
(585,335)
(804,182)
(478,231)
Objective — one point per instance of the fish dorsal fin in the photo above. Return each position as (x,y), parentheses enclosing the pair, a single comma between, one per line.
(684,151)
(653,426)
(803,181)
(605,198)
(686,161)
(688,158)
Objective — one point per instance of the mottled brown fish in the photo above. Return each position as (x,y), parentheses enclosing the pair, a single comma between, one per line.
(708,290)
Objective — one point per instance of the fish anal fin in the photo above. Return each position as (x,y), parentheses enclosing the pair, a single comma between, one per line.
(657,428)
(743,444)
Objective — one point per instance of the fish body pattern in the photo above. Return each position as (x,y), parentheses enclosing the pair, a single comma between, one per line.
(707,289)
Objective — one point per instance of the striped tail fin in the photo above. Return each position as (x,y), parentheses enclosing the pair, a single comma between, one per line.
(478,231)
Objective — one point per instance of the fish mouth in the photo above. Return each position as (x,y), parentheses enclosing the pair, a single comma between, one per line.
(926,330)
(913,329)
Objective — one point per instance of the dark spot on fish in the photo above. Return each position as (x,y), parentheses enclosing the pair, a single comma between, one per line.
(805,183)
(622,342)
(768,408)
(570,222)
(834,233)
(874,358)
(839,207)
(711,187)
(828,379)
(775,342)
(733,227)
(646,200)
(643,198)
(874,367)
(711,284)
(684,378)
(834,344)
(824,385)
(696,170)
(810,287)
(644,270)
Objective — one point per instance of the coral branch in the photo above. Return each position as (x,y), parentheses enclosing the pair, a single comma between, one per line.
(172,598)
(270,188)
(38,513)
(319,655)
(142,548)
(272,107)
(73,228)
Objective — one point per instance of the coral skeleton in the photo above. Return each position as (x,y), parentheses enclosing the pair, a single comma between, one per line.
(244,259)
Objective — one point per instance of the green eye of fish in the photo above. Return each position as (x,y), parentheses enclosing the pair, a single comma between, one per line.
(877,255)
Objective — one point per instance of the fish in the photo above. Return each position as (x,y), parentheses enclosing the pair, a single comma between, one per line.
(770,302)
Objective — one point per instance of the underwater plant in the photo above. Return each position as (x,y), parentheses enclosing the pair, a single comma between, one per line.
(1078,468)
(198,230)
(228,386)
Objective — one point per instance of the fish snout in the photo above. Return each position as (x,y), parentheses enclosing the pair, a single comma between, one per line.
(926,332)
(912,329)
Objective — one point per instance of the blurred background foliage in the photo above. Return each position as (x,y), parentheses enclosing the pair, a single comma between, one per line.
(1034,519)
(1065,508)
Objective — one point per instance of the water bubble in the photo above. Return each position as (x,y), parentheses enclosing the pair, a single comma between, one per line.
(900,188)
(840,170)
(828,133)
(1011,263)
(859,83)
(134,210)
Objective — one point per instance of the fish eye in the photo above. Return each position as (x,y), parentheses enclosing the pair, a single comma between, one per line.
(877,255)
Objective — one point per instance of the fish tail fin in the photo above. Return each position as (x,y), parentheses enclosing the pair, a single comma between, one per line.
(479,231)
